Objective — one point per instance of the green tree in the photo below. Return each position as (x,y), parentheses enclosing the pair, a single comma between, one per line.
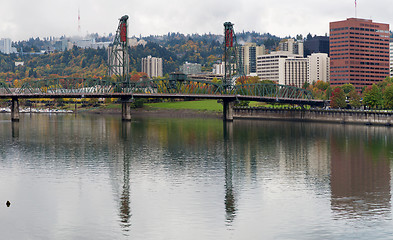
(354,99)
(388,96)
(305,85)
(328,93)
(337,100)
(347,88)
(321,85)
(372,96)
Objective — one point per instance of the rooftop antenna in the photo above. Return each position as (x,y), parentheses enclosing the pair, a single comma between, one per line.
(356,12)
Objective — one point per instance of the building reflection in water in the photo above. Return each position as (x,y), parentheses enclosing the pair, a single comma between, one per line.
(125,209)
(360,180)
(230,201)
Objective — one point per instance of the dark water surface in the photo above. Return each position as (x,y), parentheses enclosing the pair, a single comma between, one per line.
(94,177)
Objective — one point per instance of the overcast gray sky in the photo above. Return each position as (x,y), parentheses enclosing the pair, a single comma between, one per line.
(23,19)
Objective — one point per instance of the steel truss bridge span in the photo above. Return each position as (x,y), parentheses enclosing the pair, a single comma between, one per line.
(164,88)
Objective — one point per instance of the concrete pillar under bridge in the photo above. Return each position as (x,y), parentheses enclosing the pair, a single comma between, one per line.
(15,110)
(126,109)
(228,110)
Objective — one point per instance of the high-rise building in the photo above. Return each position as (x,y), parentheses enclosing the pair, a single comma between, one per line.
(391,58)
(359,52)
(291,46)
(152,66)
(318,67)
(317,44)
(248,57)
(6,46)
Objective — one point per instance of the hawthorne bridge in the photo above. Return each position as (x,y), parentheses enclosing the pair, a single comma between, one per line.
(164,88)
(118,85)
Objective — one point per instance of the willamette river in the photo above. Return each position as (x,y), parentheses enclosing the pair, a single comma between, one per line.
(94,177)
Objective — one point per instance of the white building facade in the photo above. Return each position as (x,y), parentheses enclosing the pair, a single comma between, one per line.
(282,68)
(292,69)
(6,46)
(295,71)
(318,67)
(152,66)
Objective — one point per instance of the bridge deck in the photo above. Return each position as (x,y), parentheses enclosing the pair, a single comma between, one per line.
(311,102)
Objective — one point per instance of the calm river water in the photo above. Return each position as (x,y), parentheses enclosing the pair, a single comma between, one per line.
(94,177)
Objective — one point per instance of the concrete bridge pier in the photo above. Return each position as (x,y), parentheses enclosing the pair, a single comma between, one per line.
(15,110)
(126,109)
(228,110)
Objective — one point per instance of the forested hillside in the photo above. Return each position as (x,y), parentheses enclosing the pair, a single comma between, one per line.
(174,48)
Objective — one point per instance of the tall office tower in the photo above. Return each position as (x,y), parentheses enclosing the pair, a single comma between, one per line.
(359,52)
(391,59)
(152,66)
(317,44)
(248,57)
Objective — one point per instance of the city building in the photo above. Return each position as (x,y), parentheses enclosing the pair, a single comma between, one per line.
(295,71)
(191,68)
(219,68)
(152,66)
(391,58)
(6,46)
(248,57)
(359,52)
(318,67)
(291,46)
(135,42)
(317,44)
(283,68)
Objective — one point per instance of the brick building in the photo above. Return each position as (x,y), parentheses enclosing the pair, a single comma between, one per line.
(359,52)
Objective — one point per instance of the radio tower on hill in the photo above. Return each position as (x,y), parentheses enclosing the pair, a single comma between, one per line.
(79,21)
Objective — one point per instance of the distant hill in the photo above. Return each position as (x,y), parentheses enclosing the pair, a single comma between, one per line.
(174,48)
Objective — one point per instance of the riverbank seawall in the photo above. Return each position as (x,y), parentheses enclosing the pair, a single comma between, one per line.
(362,117)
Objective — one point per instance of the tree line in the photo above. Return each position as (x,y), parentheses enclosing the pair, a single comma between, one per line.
(376,96)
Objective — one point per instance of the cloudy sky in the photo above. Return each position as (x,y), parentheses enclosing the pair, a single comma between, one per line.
(23,19)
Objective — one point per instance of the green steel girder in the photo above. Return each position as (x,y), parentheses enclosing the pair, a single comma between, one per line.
(272,90)
(4,89)
(67,85)
(176,87)
(163,86)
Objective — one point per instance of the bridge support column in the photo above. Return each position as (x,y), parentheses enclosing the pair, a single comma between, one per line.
(228,110)
(126,110)
(15,110)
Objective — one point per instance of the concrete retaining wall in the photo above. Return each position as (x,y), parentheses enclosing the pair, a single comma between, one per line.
(313,115)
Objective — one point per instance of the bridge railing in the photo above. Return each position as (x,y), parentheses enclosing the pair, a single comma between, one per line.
(4,89)
(174,87)
(272,90)
(66,85)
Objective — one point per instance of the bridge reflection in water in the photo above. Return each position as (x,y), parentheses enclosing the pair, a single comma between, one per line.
(151,175)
